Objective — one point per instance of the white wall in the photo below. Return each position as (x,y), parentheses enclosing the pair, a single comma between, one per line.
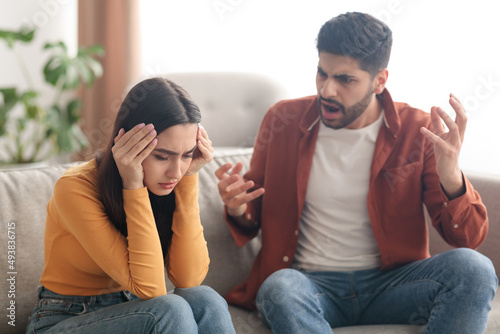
(439,47)
(55,20)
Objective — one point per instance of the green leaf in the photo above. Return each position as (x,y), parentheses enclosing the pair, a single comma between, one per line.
(24,35)
(73,111)
(60,44)
(37,113)
(10,99)
(9,95)
(28,96)
(94,50)
(69,73)
(54,70)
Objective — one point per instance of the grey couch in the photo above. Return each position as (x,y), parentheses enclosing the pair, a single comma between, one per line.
(24,194)
(234,103)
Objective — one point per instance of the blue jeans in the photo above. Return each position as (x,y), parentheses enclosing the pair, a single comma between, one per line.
(449,293)
(194,310)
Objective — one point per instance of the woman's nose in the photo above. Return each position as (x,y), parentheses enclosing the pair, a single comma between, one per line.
(174,170)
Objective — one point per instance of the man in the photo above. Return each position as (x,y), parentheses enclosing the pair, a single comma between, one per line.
(337,182)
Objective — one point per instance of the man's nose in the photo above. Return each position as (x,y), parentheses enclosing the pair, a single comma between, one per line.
(329,89)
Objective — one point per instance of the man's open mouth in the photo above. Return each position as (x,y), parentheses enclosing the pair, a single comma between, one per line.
(330,110)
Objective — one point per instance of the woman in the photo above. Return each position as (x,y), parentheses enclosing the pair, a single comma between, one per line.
(115,223)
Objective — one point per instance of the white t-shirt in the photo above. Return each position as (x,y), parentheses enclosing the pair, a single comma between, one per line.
(335,232)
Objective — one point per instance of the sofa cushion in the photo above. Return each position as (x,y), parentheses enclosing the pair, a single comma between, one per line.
(25,193)
(229,264)
(24,196)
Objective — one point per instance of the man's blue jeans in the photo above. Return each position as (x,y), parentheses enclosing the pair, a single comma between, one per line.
(194,310)
(449,293)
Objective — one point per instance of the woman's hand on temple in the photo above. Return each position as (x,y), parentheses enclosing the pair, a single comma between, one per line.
(203,153)
(130,150)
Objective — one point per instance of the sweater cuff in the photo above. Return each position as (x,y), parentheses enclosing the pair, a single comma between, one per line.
(135,193)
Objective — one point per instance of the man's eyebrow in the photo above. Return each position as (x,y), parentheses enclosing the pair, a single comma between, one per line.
(169,152)
(344,76)
(338,76)
(320,70)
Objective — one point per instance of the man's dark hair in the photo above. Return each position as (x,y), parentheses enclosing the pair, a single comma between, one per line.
(359,36)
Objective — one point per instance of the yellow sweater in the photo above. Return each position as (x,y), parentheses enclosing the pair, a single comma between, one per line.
(86,255)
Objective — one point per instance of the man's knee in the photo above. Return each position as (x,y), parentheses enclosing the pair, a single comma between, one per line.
(471,268)
(282,288)
(466,260)
(282,280)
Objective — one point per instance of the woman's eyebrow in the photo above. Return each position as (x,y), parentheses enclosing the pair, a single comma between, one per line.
(169,152)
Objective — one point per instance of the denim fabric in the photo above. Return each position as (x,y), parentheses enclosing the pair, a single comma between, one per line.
(194,310)
(449,293)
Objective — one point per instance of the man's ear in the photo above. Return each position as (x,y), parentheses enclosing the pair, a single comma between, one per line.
(380,80)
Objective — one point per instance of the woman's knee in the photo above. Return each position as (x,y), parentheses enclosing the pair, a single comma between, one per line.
(202,295)
(169,304)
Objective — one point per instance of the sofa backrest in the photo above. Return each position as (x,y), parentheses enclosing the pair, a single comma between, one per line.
(232,104)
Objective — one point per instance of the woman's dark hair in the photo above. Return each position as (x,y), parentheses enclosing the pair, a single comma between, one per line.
(359,36)
(164,104)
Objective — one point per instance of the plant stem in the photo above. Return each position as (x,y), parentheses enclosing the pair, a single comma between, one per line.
(20,149)
(23,68)
(59,92)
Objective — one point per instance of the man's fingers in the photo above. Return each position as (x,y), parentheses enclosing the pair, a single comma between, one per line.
(237,168)
(461,116)
(233,187)
(230,186)
(437,124)
(430,136)
(222,170)
(452,126)
(245,198)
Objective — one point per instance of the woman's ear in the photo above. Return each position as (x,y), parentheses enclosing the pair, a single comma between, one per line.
(380,80)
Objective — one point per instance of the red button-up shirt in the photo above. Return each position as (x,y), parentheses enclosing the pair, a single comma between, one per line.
(402,178)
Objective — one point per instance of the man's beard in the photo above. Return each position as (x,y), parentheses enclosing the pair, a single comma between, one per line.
(349,115)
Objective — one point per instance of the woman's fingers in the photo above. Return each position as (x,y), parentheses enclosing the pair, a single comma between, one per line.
(131,144)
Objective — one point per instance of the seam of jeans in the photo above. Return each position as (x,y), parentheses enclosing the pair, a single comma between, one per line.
(318,307)
(110,318)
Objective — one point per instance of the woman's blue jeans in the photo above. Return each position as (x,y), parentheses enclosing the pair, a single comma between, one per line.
(194,310)
(448,293)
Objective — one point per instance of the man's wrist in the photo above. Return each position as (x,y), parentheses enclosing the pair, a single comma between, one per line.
(237,212)
(453,187)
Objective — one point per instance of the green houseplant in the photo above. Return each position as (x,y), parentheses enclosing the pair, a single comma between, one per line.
(30,132)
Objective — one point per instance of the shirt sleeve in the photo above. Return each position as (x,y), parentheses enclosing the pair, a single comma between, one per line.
(256,174)
(461,222)
(136,263)
(187,259)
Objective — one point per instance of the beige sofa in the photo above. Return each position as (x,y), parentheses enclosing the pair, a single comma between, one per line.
(24,194)
(232,105)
